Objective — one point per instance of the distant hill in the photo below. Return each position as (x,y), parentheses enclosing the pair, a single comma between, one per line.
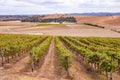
(57,15)
(20,17)
(12,17)
(96,14)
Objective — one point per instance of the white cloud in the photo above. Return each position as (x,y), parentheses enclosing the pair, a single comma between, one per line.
(57,6)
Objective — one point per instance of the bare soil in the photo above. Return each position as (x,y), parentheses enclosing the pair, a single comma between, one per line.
(12,71)
(109,22)
(48,68)
(16,23)
(79,72)
(69,30)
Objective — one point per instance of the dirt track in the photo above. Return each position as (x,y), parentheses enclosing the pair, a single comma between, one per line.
(48,68)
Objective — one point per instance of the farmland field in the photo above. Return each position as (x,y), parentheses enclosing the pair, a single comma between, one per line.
(66,29)
(35,57)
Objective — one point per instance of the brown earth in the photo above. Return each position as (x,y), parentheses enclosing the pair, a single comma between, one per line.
(79,72)
(16,23)
(70,30)
(13,71)
(110,22)
(47,70)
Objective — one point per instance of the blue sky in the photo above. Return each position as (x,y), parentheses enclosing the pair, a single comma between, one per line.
(13,7)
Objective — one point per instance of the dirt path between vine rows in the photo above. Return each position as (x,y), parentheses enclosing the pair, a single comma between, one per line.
(47,70)
(12,71)
(78,72)
(20,65)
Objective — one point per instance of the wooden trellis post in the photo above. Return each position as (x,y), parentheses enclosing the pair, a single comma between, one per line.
(2,55)
(32,64)
(111,69)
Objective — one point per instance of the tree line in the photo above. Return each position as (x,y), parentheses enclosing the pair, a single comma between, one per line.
(60,20)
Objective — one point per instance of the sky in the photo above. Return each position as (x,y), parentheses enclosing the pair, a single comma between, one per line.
(16,7)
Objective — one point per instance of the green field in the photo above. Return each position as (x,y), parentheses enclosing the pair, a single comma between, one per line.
(50,25)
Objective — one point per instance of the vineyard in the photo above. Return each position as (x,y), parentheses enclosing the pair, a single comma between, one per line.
(60,57)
